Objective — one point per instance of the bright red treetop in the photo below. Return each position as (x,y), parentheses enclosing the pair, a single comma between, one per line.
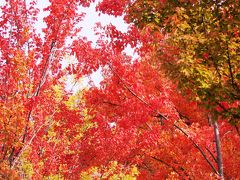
(137,118)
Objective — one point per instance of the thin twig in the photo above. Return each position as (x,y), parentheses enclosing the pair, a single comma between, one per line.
(211,154)
(166,164)
(125,85)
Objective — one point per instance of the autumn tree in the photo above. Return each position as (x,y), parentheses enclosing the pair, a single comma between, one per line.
(206,60)
(150,116)
(196,44)
(31,71)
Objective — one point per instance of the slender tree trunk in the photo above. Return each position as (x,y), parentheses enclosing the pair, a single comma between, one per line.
(218,148)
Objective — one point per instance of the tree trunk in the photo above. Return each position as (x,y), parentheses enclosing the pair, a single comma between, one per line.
(218,148)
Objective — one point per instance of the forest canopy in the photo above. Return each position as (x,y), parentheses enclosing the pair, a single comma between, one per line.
(171,112)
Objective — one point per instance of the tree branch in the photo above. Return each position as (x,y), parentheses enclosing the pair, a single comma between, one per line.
(44,72)
(166,164)
(30,141)
(125,85)
(211,154)
(230,69)
(198,147)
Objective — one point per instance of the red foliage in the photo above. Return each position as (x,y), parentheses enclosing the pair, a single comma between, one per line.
(136,116)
